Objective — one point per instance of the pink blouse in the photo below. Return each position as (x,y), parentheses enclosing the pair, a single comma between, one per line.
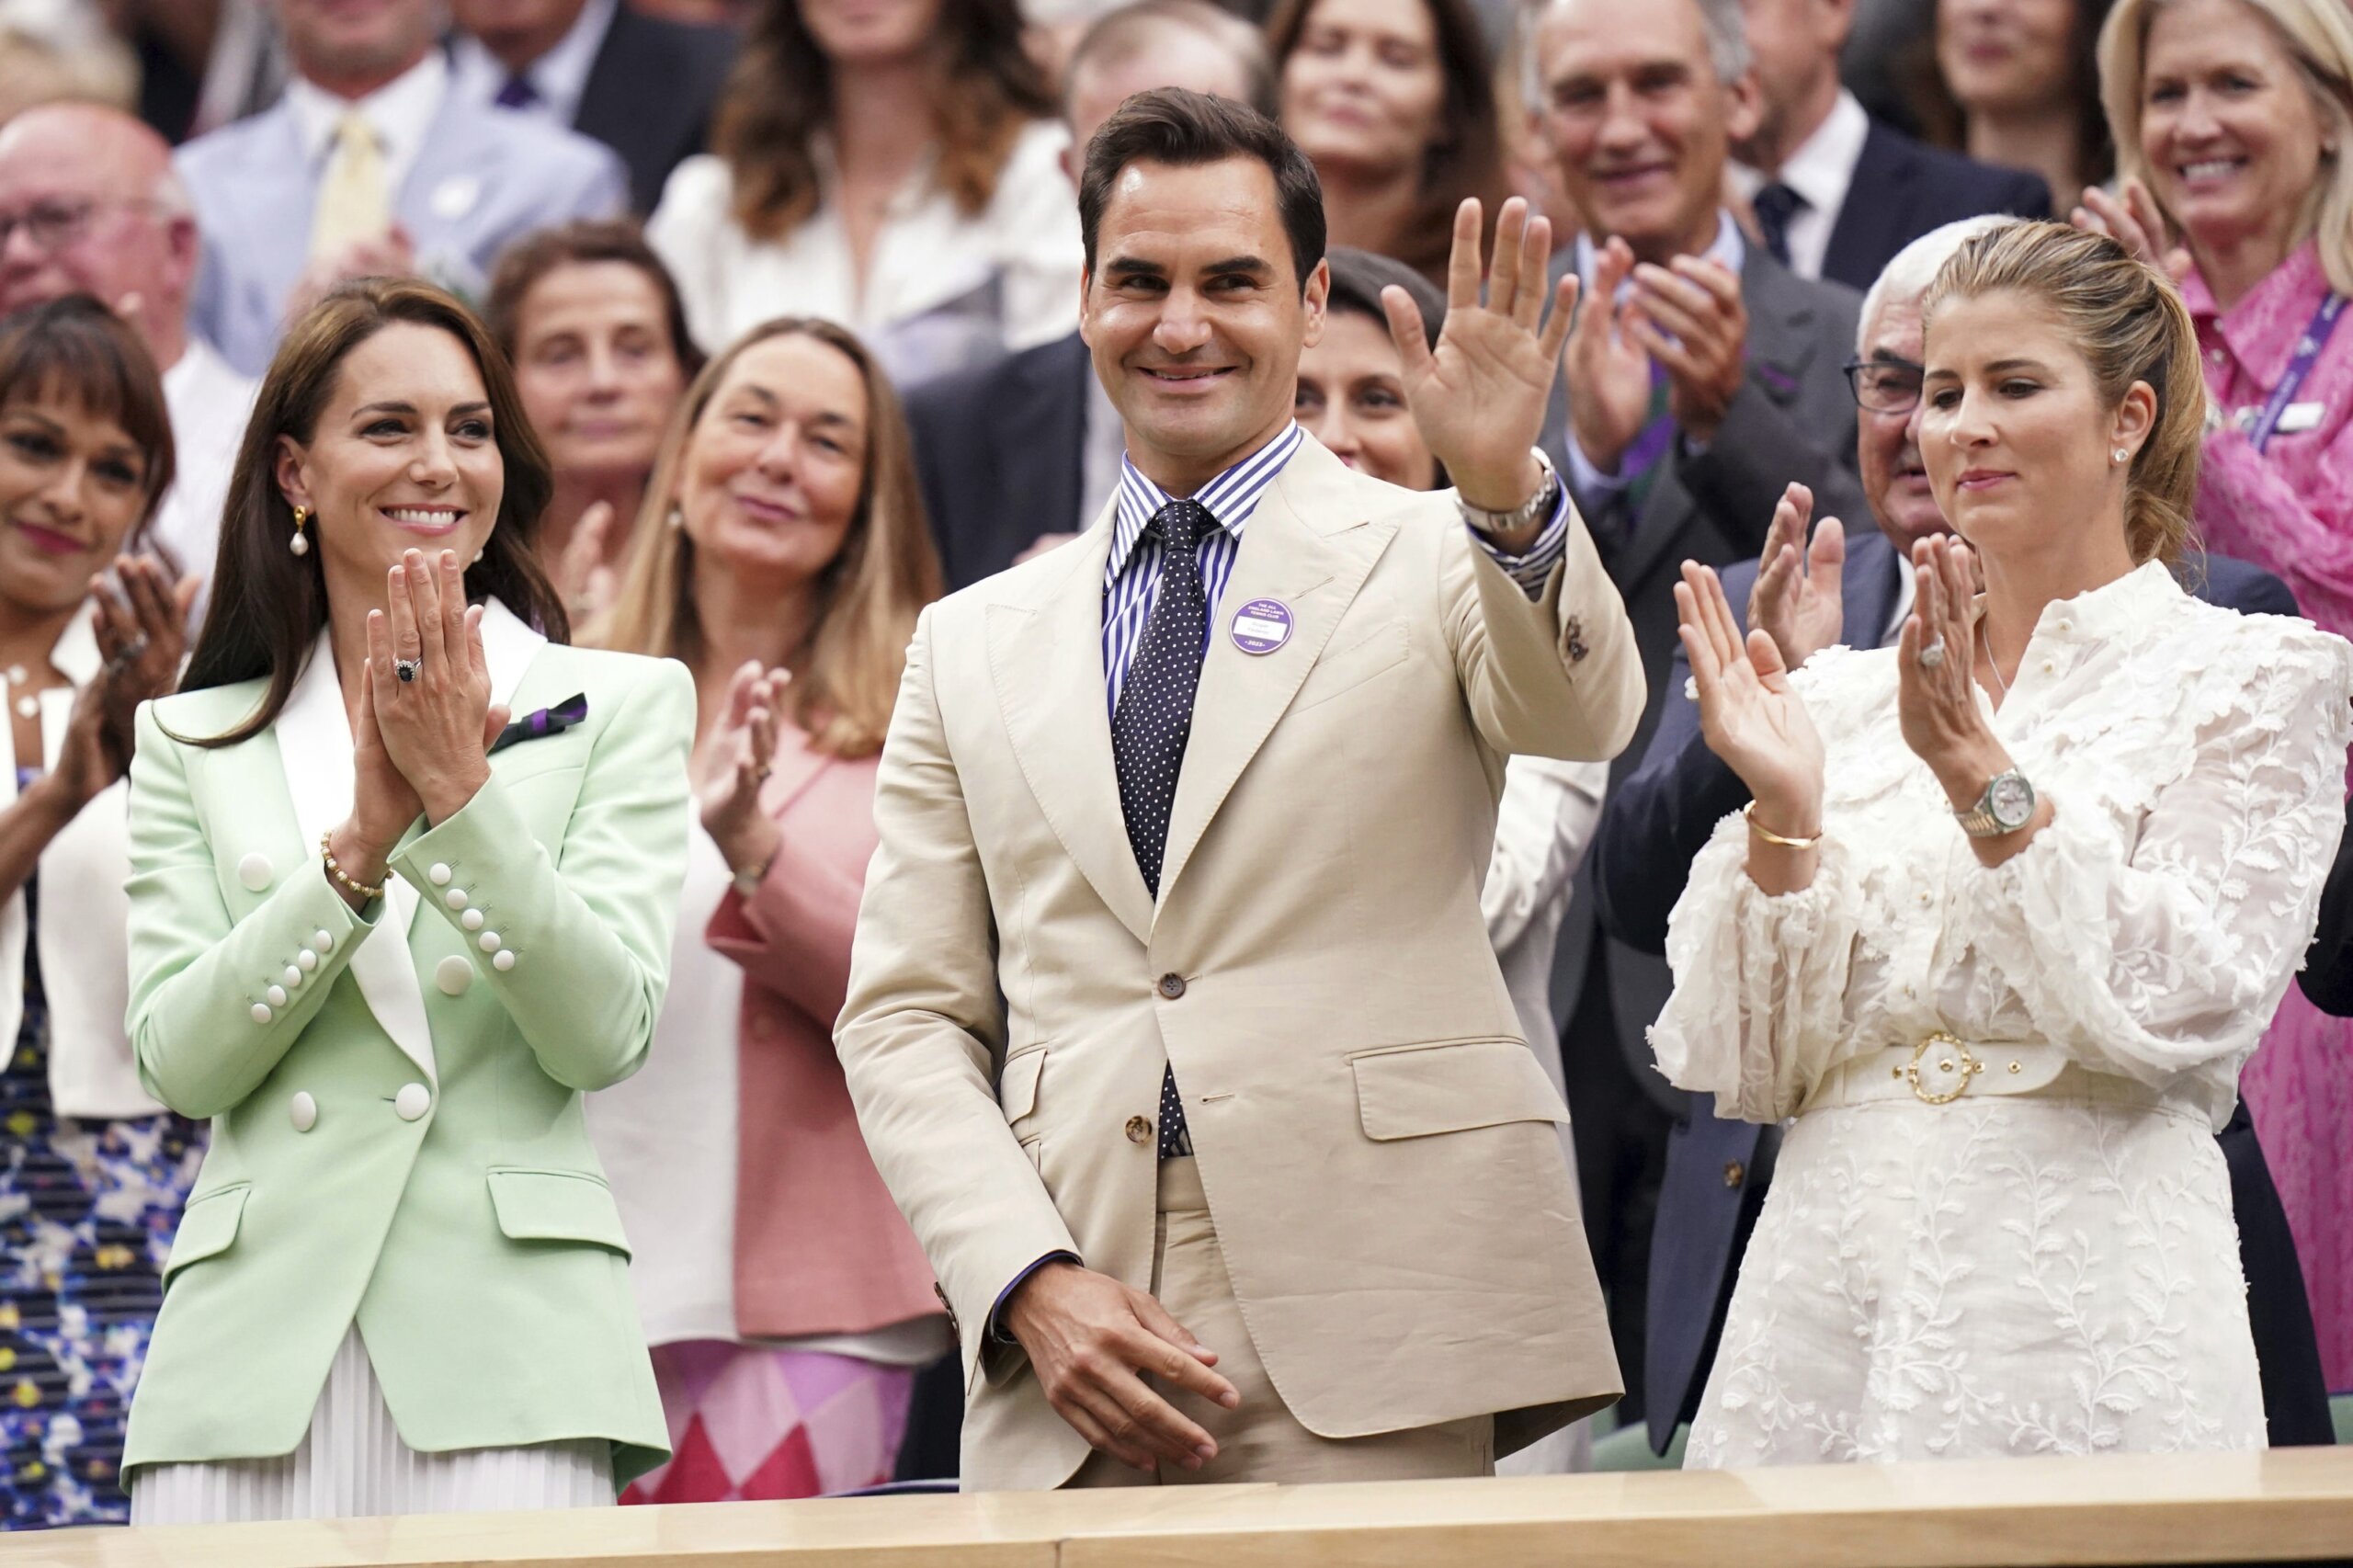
(2290,507)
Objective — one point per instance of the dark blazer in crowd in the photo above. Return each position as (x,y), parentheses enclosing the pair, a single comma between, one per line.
(1000,450)
(1717,1171)
(650,94)
(2327,976)
(1904,188)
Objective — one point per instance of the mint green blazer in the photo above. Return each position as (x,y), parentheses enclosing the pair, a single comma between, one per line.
(396,1095)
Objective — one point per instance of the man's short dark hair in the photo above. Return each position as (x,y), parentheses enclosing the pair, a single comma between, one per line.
(1170,125)
(1118,36)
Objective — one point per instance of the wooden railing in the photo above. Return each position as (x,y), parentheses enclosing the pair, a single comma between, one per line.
(2291,1507)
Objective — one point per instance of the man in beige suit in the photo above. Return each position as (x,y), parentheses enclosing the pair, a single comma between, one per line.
(1172,1023)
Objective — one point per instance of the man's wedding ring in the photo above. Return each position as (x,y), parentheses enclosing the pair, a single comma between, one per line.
(406,668)
(1933,654)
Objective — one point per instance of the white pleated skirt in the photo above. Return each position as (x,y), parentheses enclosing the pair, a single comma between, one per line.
(352,1464)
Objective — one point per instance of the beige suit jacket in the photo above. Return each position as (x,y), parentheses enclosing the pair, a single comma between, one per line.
(1376,1139)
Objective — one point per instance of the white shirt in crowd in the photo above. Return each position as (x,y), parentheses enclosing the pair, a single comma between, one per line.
(1819,171)
(208,403)
(557,78)
(401,113)
(942,290)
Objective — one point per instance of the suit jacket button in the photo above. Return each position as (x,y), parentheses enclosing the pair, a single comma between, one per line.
(1172,986)
(1139,1129)
(1735,1172)
(453,975)
(302,1110)
(254,871)
(412,1101)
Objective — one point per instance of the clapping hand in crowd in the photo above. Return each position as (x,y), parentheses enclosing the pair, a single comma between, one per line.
(392,255)
(1750,714)
(742,745)
(142,635)
(1936,696)
(2131,218)
(1686,316)
(584,580)
(1479,396)
(1796,599)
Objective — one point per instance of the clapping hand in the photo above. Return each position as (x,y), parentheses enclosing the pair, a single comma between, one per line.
(584,579)
(742,749)
(1609,371)
(1796,598)
(2133,220)
(1937,698)
(1688,315)
(1748,713)
(436,728)
(143,637)
(1479,397)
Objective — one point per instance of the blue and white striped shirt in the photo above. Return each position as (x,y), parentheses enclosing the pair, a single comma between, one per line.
(1132,575)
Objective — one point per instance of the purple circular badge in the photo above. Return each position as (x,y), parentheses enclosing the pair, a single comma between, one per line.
(1262,626)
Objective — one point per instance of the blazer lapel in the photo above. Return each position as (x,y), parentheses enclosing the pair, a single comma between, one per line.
(1316,575)
(1046,660)
(315,748)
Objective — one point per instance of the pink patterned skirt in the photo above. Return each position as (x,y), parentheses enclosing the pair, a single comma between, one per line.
(752,1423)
(2298,1089)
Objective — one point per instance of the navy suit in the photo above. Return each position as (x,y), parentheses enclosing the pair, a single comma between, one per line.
(1904,188)
(1000,452)
(650,93)
(1655,823)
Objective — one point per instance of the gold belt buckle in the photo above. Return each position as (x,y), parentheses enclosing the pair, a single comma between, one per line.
(1968,1067)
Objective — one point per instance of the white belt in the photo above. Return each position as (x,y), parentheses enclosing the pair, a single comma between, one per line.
(1943,1070)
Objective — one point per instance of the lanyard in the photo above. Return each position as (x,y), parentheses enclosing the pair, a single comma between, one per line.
(2308,349)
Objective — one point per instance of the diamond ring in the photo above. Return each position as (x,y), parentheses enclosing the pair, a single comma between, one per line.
(1933,654)
(406,668)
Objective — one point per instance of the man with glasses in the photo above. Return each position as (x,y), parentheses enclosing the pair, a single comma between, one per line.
(1851,585)
(90,204)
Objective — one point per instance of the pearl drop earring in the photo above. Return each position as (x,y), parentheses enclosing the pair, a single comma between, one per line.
(2122,454)
(299,545)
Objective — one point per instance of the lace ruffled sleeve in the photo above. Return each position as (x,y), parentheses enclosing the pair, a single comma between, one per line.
(2156,953)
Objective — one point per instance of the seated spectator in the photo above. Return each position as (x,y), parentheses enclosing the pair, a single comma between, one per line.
(1836,193)
(103,213)
(2015,84)
(1026,452)
(1395,101)
(1701,377)
(2233,132)
(1853,587)
(893,166)
(369,165)
(783,559)
(592,323)
(641,84)
(2001,979)
(93,1171)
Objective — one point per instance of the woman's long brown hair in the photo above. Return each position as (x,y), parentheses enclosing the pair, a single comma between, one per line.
(270,604)
(781,95)
(845,675)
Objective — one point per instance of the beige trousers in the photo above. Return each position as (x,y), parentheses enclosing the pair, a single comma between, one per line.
(1262,1440)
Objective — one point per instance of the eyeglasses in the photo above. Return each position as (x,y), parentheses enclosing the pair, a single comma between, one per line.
(53,225)
(1884,386)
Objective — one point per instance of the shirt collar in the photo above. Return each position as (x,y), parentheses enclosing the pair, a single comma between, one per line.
(1823,168)
(2261,330)
(559,76)
(402,111)
(2123,607)
(1231,498)
(1726,248)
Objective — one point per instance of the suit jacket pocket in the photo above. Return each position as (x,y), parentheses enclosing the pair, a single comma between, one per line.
(556,1206)
(207,1227)
(1017,1088)
(1417,1091)
(1346,668)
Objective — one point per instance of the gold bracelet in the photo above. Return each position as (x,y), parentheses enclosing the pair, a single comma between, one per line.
(1748,812)
(367,894)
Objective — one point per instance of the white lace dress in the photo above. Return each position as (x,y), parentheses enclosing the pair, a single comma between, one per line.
(2052,1272)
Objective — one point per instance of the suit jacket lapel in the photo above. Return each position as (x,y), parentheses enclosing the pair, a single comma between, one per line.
(1314,569)
(1872,216)
(1046,660)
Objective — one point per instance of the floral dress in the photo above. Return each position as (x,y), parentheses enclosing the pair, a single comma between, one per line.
(2035,1254)
(87,1212)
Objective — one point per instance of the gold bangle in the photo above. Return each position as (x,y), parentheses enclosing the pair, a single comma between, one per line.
(367,894)
(1748,813)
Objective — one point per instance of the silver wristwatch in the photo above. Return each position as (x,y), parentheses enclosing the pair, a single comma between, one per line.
(1541,505)
(2006,806)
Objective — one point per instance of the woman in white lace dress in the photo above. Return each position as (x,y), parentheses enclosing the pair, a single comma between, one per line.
(1999,1222)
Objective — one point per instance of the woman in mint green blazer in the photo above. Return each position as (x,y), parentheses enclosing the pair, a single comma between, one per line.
(384,933)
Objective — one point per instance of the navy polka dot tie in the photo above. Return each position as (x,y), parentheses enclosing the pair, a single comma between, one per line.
(1154,716)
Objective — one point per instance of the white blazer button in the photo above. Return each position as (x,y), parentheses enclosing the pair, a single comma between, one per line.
(293,977)
(261,1012)
(306,958)
(455,898)
(487,941)
(503,961)
(277,995)
(323,942)
(302,1110)
(412,1101)
(453,975)
(471,920)
(440,874)
(254,871)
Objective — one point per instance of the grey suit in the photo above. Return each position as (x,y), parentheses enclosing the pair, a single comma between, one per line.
(1793,418)
(483,178)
